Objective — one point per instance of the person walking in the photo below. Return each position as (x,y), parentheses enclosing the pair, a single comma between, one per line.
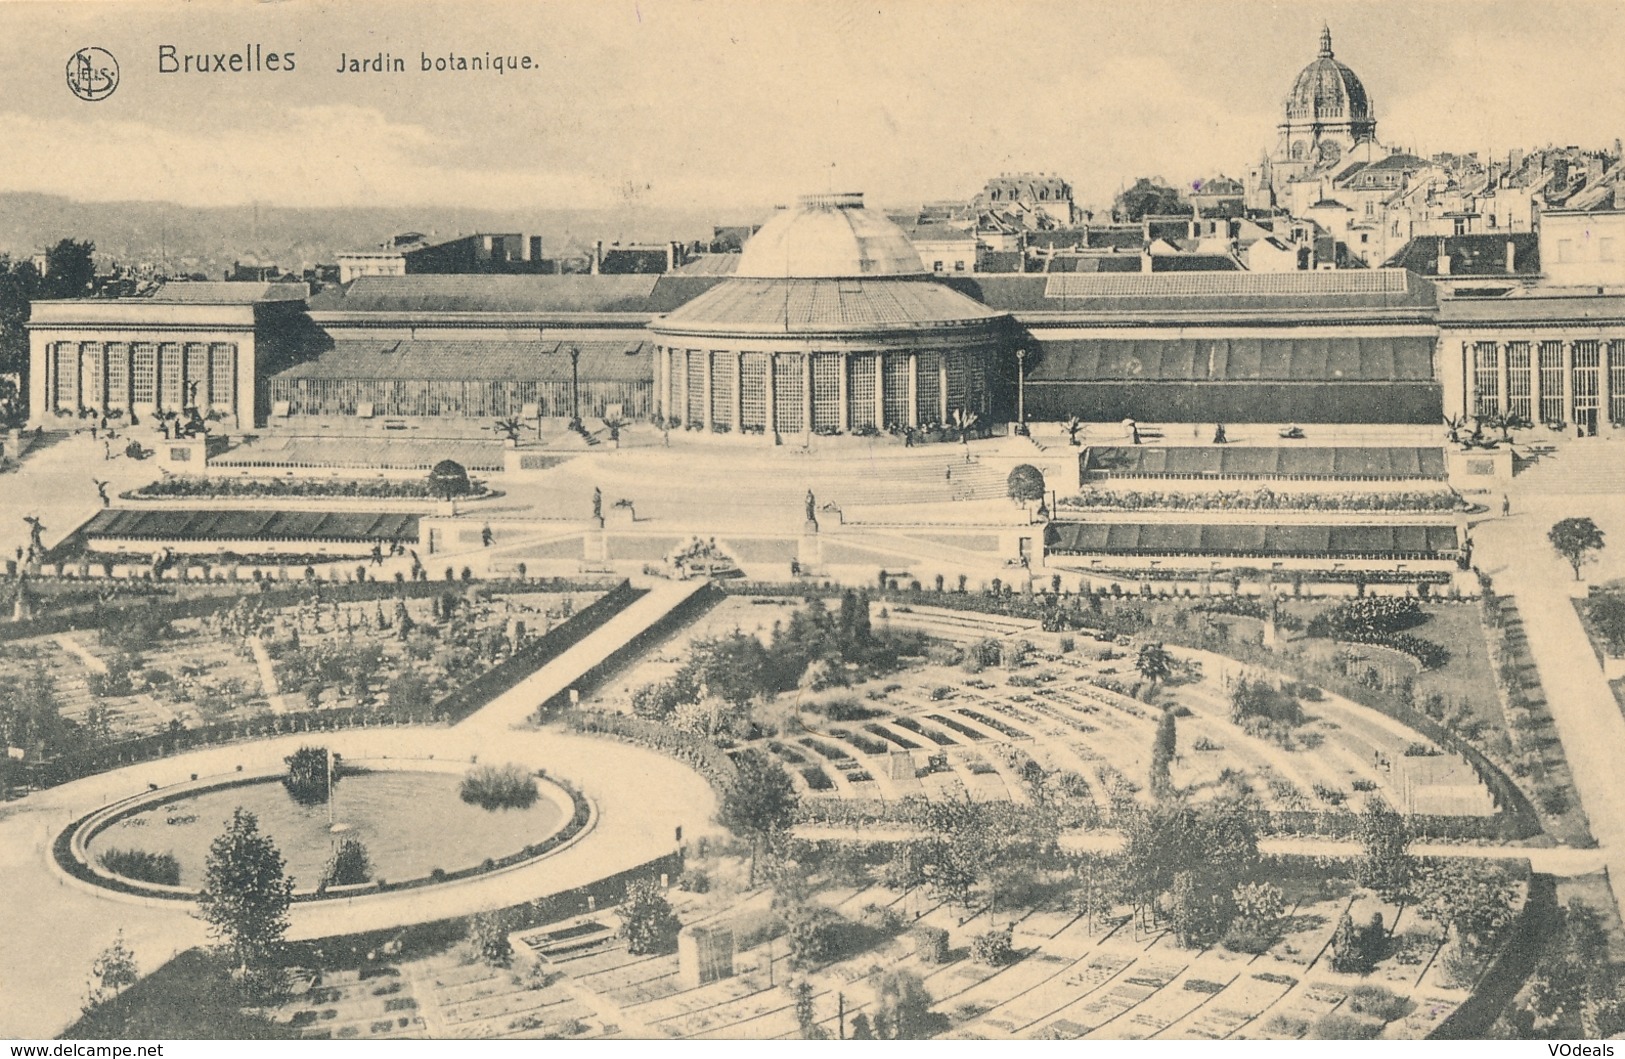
(1506,505)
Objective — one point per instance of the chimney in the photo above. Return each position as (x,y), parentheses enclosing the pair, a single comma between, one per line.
(1444,259)
(1512,257)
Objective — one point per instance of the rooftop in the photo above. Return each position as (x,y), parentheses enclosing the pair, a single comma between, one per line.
(753,305)
(828,237)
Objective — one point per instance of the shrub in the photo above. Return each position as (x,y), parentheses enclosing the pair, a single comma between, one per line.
(161,868)
(694,881)
(930,944)
(1340,1027)
(1378,1002)
(350,865)
(993,948)
(499,787)
(1242,937)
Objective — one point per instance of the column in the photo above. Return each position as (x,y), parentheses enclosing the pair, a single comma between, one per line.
(913,388)
(771,425)
(807,393)
(942,387)
(710,366)
(1605,387)
(1568,383)
(664,388)
(846,402)
(738,408)
(880,389)
(1503,354)
(1535,386)
(1469,358)
(687,353)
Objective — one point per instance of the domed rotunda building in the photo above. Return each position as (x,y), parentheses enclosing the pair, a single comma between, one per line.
(830,324)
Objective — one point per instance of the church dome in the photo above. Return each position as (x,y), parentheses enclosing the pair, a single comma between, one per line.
(1327,90)
(828,237)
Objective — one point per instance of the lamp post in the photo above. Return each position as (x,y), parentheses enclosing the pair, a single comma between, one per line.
(1021,390)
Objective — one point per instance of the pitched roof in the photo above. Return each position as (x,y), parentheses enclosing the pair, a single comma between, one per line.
(1364,359)
(1481,254)
(1162,538)
(219,293)
(752,305)
(709,265)
(488,293)
(544,360)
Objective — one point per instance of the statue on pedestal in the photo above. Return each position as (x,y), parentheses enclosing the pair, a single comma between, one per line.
(812,512)
(598,505)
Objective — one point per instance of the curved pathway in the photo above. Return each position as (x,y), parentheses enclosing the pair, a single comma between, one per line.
(52,936)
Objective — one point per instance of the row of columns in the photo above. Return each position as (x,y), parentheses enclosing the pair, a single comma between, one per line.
(676,375)
(1503,387)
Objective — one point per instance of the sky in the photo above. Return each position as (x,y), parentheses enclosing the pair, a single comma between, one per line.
(706,104)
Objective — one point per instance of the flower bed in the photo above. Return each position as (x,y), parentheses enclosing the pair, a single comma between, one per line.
(1261,500)
(204,488)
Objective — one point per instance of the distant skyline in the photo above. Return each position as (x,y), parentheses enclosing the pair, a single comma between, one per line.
(737,106)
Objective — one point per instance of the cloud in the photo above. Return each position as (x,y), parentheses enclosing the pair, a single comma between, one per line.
(321,155)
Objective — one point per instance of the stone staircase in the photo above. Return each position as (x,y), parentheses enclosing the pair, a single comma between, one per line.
(1589,468)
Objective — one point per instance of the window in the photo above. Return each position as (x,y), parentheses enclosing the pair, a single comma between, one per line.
(1551,382)
(959,266)
(144,373)
(826,376)
(722,388)
(753,390)
(118,374)
(860,389)
(1518,381)
(169,376)
(936,266)
(1487,377)
(222,374)
(789,390)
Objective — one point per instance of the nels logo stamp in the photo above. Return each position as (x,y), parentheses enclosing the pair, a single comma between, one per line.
(92,74)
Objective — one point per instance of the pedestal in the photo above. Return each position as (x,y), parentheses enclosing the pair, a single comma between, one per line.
(596,544)
(810,551)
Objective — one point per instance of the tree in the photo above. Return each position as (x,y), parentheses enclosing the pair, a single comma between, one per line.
(615,424)
(488,934)
(806,1017)
(1148,196)
(647,922)
(1162,754)
(19,285)
(246,893)
(449,479)
(1154,663)
(1607,616)
(1072,424)
(1575,539)
(308,779)
(113,972)
(350,866)
(903,1008)
(1386,865)
(1473,898)
(760,802)
(1025,483)
(509,427)
(70,269)
(1576,988)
